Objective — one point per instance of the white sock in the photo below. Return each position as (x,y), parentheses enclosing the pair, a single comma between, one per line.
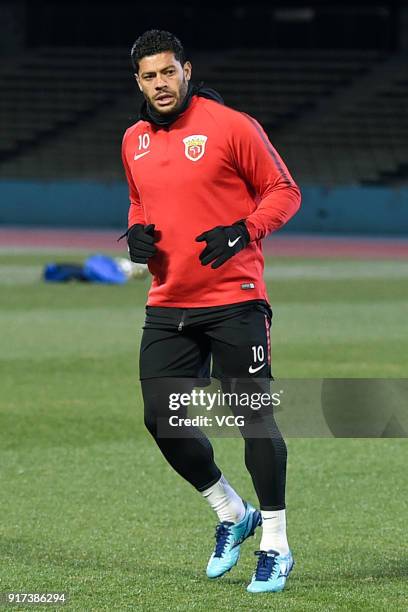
(225,501)
(274,531)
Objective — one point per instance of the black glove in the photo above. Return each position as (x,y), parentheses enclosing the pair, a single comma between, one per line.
(140,239)
(223,242)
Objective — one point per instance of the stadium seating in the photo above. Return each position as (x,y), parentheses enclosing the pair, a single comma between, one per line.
(363,132)
(336,116)
(48,95)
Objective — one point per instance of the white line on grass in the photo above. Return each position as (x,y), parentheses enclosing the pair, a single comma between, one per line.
(20,275)
(338,270)
(16,274)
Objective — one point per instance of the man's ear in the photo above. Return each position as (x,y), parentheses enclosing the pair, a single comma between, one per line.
(138,81)
(187,69)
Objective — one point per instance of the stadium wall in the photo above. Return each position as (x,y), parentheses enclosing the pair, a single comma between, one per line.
(91,204)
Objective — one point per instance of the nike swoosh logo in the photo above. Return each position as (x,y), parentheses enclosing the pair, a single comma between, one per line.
(252,370)
(284,570)
(231,243)
(140,155)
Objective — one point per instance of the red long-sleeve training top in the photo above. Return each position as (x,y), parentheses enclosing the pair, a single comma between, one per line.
(212,166)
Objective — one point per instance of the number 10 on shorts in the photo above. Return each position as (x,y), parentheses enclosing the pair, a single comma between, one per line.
(258,353)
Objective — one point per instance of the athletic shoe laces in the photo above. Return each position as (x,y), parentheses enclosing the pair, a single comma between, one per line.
(266,565)
(222,533)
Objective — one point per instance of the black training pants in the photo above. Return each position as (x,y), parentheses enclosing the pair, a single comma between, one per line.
(175,354)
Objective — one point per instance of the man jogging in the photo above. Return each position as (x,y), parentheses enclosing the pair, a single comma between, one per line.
(206,186)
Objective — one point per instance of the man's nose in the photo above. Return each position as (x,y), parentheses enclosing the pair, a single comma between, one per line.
(160,82)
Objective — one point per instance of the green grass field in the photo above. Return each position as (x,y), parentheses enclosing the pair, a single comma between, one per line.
(89,507)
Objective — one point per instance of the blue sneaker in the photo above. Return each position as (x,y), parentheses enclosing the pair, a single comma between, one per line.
(271,572)
(228,537)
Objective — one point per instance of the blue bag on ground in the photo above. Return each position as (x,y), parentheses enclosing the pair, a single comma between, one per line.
(102,269)
(64,272)
(96,269)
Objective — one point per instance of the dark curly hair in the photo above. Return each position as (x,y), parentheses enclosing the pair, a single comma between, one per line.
(153,42)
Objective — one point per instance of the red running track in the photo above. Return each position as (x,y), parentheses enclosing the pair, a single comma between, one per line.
(286,245)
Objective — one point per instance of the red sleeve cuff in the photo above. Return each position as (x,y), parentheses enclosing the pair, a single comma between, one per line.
(252,231)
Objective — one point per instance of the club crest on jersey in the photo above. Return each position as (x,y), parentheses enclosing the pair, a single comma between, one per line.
(194,147)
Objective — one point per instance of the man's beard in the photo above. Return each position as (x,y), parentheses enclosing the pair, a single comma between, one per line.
(182,92)
(159,118)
